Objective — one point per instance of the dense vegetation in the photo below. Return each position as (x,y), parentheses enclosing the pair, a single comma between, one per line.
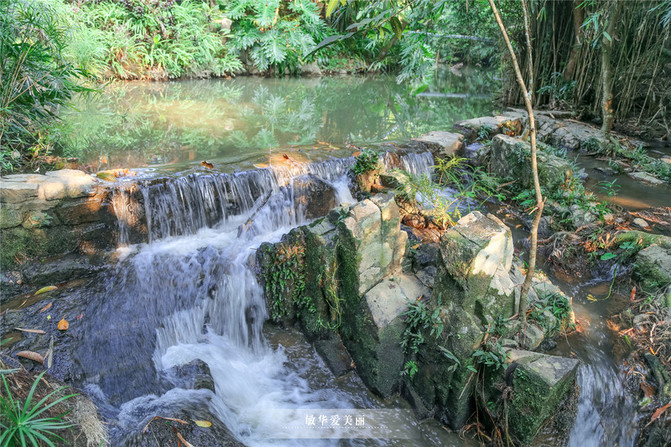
(591,56)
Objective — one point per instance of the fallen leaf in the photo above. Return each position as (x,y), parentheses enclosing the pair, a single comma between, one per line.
(34,356)
(164,418)
(206,164)
(106,176)
(63,325)
(186,444)
(32,331)
(260,165)
(45,290)
(50,359)
(203,424)
(80,316)
(591,297)
(285,156)
(48,317)
(46,307)
(356,154)
(658,412)
(648,390)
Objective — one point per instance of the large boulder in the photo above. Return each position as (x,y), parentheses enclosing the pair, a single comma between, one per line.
(472,289)
(539,384)
(487,126)
(510,158)
(371,232)
(377,351)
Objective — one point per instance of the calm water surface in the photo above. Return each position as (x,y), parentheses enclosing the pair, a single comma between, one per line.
(241,121)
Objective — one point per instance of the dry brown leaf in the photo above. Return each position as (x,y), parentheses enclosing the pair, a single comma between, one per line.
(47,307)
(207,164)
(184,441)
(63,325)
(648,390)
(658,412)
(30,355)
(80,316)
(32,331)
(632,295)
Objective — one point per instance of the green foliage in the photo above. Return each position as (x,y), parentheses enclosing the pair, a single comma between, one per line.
(367,161)
(410,369)
(555,304)
(154,39)
(491,354)
(418,319)
(472,187)
(35,79)
(285,280)
(25,423)
(636,155)
(277,34)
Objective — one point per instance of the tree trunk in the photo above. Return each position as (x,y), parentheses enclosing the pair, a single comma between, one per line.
(534,164)
(578,19)
(606,70)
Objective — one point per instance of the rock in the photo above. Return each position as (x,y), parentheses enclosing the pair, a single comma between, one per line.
(444,144)
(666,160)
(372,228)
(378,355)
(335,355)
(17,192)
(532,337)
(645,177)
(313,196)
(489,125)
(311,69)
(477,254)
(653,266)
(194,375)
(161,432)
(581,217)
(52,190)
(472,288)
(55,271)
(509,158)
(641,223)
(67,174)
(540,383)
(476,153)
(509,343)
(11,215)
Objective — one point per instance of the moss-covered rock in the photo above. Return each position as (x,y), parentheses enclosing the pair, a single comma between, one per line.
(539,384)
(653,267)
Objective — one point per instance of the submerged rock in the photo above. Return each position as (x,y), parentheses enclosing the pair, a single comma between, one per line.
(645,177)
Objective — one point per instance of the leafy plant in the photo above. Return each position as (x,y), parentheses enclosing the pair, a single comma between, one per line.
(367,161)
(35,79)
(410,369)
(491,354)
(25,423)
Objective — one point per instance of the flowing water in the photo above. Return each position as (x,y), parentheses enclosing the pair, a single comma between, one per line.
(190,294)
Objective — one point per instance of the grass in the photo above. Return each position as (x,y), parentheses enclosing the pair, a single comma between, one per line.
(29,421)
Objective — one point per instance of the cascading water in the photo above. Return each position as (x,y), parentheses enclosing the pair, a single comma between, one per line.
(190,294)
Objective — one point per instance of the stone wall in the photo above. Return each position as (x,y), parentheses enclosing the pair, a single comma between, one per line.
(44,216)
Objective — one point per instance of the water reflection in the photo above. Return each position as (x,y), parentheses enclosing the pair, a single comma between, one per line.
(237,120)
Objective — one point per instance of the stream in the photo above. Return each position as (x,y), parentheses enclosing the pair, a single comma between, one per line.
(190,294)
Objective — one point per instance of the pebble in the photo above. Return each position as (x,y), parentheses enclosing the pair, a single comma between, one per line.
(641,223)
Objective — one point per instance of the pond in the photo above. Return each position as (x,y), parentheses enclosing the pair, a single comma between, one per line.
(237,122)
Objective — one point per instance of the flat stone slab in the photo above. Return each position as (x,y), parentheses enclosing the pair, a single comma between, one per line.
(645,177)
(446,143)
(17,192)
